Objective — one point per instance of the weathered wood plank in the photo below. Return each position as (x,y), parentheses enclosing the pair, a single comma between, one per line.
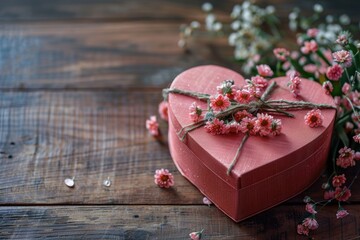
(166,222)
(97,55)
(184,10)
(48,136)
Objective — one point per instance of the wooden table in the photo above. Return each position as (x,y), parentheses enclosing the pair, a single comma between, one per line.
(77,81)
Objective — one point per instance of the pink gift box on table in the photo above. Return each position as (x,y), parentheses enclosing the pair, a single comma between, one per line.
(269,170)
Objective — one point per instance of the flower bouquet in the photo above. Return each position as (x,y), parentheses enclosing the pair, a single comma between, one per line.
(325,52)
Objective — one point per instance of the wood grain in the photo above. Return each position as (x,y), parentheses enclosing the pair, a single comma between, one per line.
(180,10)
(166,222)
(77,81)
(49,136)
(98,55)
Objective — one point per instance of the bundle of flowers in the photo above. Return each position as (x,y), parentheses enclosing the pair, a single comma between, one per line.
(324,52)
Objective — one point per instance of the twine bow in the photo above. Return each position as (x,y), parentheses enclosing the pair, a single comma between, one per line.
(269,106)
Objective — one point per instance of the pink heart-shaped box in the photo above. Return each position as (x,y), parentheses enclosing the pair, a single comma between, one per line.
(269,170)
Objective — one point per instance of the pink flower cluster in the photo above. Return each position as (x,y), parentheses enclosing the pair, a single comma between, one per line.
(264,70)
(295,84)
(334,72)
(309,47)
(346,157)
(153,126)
(263,125)
(195,112)
(343,57)
(227,88)
(281,54)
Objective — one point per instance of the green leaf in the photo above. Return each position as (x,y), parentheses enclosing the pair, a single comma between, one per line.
(298,68)
(342,135)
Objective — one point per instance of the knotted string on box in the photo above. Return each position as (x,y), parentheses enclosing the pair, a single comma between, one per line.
(262,104)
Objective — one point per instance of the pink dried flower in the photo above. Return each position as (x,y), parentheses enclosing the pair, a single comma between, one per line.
(343,38)
(312,32)
(255,92)
(207,201)
(153,126)
(342,194)
(338,180)
(309,46)
(357,156)
(195,112)
(264,70)
(281,54)
(263,124)
(328,87)
(259,82)
(227,88)
(314,118)
(233,127)
(355,97)
(292,73)
(215,127)
(334,72)
(163,110)
(219,103)
(343,57)
(276,127)
(357,138)
(329,195)
(310,223)
(163,178)
(247,125)
(346,88)
(302,230)
(238,116)
(310,208)
(243,96)
(196,235)
(295,85)
(346,157)
(341,213)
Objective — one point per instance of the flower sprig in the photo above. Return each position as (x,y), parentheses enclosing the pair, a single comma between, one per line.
(245,110)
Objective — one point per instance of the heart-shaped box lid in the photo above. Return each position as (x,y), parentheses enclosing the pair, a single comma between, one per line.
(261,157)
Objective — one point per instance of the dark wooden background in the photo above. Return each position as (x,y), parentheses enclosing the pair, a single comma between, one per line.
(77,81)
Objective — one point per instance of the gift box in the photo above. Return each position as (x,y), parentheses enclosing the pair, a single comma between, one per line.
(269,170)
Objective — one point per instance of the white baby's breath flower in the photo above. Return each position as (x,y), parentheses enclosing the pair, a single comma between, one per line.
(329,18)
(207,7)
(246,5)
(217,26)
(241,53)
(195,24)
(293,15)
(232,39)
(318,8)
(247,15)
(209,20)
(344,19)
(293,25)
(334,28)
(270,9)
(235,25)
(236,11)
